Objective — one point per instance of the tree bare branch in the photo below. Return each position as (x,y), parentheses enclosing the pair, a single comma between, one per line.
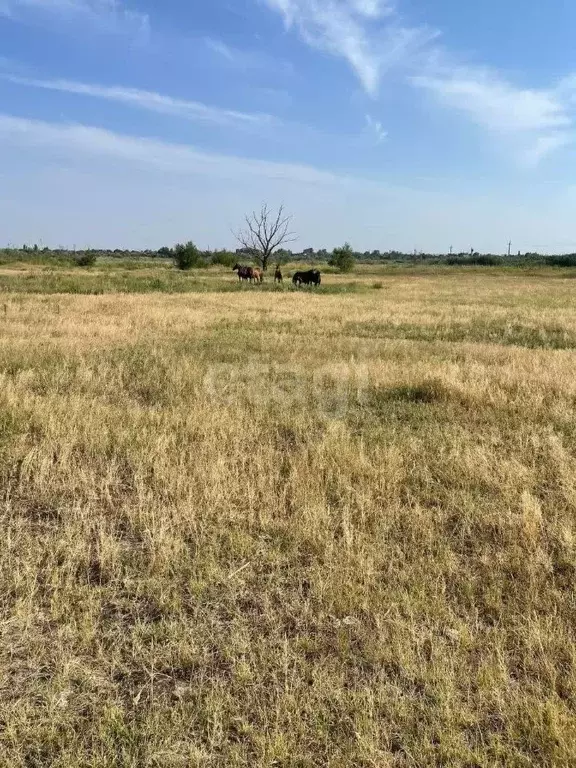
(264,232)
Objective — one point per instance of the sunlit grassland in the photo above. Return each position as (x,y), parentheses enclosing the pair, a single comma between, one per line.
(60,275)
(292,528)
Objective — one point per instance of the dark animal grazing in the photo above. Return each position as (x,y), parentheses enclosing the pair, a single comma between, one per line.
(311,277)
(244,273)
(278,276)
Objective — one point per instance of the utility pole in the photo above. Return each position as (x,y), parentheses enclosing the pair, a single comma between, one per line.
(451,249)
(509,248)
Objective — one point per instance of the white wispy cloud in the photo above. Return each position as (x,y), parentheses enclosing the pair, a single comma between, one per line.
(109,15)
(372,37)
(219,47)
(182,159)
(368,34)
(542,146)
(495,103)
(376,129)
(537,121)
(373,8)
(566,89)
(148,100)
(247,59)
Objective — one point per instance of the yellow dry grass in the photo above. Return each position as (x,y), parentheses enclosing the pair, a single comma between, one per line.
(257,529)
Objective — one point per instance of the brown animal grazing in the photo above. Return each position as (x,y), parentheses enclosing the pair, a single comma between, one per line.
(244,273)
(278,275)
(257,276)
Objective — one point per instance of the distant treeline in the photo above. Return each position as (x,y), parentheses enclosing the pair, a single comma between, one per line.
(228,258)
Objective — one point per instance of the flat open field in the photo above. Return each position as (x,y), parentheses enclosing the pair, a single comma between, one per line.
(257,528)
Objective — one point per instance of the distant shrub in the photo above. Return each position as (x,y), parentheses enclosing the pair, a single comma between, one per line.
(487,260)
(165,252)
(224,258)
(343,258)
(378,286)
(569,260)
(479,260)
(186,255)
(87,259)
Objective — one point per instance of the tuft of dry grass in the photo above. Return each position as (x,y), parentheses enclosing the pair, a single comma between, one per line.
(292,529)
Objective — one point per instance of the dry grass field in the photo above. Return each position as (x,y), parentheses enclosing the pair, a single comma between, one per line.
(247,528)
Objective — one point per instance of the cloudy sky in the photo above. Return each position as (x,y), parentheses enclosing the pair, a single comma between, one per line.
(388,123)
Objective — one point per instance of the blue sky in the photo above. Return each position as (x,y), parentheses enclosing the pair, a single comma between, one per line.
(388,123)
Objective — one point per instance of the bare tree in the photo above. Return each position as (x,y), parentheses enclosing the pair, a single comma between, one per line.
(264,232)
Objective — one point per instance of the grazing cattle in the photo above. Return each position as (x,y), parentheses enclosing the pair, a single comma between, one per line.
(311,277)
(278,275)
(244,273)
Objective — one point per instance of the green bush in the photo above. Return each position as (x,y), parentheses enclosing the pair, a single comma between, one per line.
(480,260)
(224,258)
(569,260)
(343,258)
(87,259)
(186,255)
